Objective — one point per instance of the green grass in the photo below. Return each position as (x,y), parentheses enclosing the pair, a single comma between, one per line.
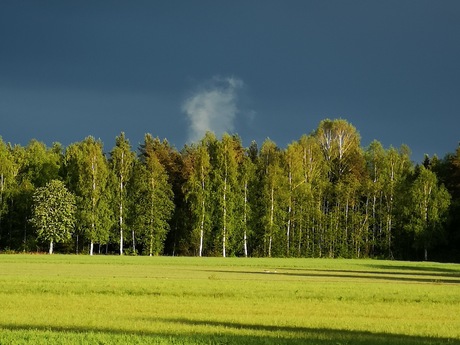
(141,300)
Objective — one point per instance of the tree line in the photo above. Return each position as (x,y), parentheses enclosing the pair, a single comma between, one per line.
(324,195)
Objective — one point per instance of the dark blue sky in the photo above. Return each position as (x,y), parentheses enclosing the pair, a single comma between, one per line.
(69,69)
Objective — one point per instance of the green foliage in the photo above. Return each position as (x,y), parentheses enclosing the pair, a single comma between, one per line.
(197,190)
(153,199)
(121,163)
(88,177)
(8,173)
(53,212)
(322,196)
(426,208)
(274,198)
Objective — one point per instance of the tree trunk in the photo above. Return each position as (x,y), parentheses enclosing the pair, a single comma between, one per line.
(245,219)
(272,215)
(121,228)
(121,205)
(225,217)
(51,248)
(134,241)
(390,253)
(374,222)
(121,241)
(288,229)
(151,245)
(93,199)
(202,228)
(202,211)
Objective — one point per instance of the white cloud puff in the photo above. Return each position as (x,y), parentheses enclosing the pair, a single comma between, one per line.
(213,107)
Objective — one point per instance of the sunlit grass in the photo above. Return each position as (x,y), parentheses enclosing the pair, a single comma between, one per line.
(163,300)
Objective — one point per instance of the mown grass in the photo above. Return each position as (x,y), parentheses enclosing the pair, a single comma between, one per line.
(140,300)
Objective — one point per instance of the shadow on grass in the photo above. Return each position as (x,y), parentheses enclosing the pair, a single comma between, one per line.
(229,335)
(448,276)
(356,274)
(436,270)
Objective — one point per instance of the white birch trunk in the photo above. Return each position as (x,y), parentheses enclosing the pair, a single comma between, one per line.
(202,228)
(121,204)
(272,215)
(121,241)
(51,247)
(225,215)
(202,211)
(288,230)
(134,240)
(93,199)
(151,246)
(245,239)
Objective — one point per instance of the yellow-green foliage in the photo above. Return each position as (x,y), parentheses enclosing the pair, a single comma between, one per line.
(160,300)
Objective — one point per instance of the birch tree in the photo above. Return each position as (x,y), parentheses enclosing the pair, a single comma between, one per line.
(154,199)
(88,175)
(340,144)
(375,156)
(426,207)
(397,167)
(274,197)
(246,176)
(8,173)
(197,189)
(35,166)
(225,172)
(53,213)
(312,196)
(121,162)
(296,195)
(171,159)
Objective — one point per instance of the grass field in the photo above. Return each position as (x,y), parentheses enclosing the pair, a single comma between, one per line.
(162,300)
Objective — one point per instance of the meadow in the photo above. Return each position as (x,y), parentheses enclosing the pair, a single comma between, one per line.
(62,299)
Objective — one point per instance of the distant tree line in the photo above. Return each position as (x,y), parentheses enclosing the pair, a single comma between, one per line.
(322,196)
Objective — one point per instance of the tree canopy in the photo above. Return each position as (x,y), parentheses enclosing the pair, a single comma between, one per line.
(324,195)
(53,213)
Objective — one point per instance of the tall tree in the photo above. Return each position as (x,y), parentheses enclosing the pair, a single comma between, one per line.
(427,207)
(274,197)
(295,176)
(375,156)
(121,162)
(53,212)
(154,198)
(246,177)
(197,188)
(171,159)
(8,173)
(35,165)
(397,167)
(312,196)
(340,143)
(228,155)
(448,173)
(88,175)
